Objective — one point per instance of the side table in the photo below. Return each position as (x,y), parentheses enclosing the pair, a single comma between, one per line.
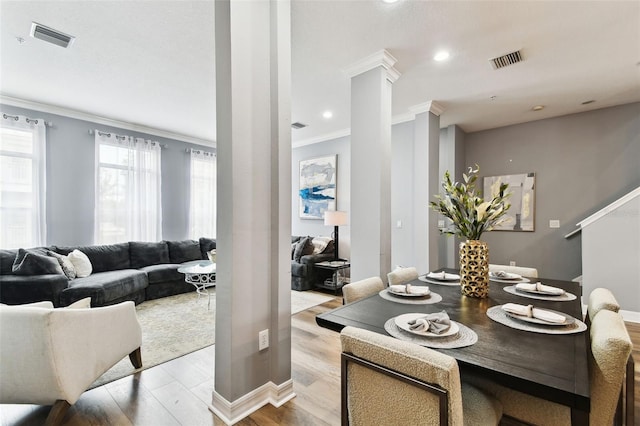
(201,274)
(336,282)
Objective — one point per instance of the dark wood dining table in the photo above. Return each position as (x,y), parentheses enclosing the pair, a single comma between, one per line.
(548,366)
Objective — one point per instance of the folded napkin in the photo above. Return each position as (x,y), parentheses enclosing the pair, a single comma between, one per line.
(531,312)
(436,323)
(503,274)
(442,276)
(540,287)
(406,288)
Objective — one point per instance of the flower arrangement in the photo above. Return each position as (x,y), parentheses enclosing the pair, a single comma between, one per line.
(468,211)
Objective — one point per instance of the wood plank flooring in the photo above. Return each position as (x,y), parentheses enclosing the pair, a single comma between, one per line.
(178,392)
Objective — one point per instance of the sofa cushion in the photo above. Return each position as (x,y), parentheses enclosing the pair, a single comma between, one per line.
(65,263)
(30,263)
(298,269)
(162,273)
(206,244)
(81,263)
(184,251)
(105,288)
(303,247)
(145,254)
(107,257)
(7,257)
(17,289)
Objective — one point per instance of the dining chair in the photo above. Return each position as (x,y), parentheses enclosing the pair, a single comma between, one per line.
(360,289)
(524,271)
(599,299)
(389,381)
(402,275)
(610,350)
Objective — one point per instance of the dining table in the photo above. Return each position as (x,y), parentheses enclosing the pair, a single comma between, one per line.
(549,366)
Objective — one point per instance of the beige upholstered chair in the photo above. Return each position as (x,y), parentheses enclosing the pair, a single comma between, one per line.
(520,270)
(599,299)
(386,381)
(51,356)
(402,275)
(360,289)
(610,349)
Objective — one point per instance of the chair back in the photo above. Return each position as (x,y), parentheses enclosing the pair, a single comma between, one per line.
(525,271)
(599,299)
(610,350)
(390,381)
(402,275)
(360,289)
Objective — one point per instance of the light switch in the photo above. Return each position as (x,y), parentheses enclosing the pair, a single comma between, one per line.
(554,223)
(399,224)
(441,224)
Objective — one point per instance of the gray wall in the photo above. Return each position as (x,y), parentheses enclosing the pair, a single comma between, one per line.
(402,243)
(70,179)
(582,163)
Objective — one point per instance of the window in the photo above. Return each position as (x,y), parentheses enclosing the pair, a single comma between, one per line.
(22,182)
(202,206)
(128,200)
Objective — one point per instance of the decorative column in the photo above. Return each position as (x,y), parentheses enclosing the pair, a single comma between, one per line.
(371,81)
(426,183)
(253,110)
(452,159)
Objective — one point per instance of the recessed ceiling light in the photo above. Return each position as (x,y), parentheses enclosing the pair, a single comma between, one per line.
(389,1)
(538,108)
(327,114)
(443,55)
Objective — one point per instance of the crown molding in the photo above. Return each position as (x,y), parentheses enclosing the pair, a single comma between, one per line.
(322,138)
(381,58)
(80,115)
(431,106)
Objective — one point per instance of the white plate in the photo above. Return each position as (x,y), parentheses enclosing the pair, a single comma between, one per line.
(422,293)
(505,276)
(438,276)
(567,319)
(402,321)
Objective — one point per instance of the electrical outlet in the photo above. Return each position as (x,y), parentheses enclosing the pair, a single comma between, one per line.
(441,224)
(512,263)
(263,339)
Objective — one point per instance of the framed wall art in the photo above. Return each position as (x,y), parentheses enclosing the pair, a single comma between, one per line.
(317,192)
(520,217)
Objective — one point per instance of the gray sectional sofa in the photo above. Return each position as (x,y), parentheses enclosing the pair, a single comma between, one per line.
(136,271)
(304,274)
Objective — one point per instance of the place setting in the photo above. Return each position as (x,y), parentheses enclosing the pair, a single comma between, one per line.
(434,330)
(410,294)
(507,277)
(540,291)
(537,320)
(440,278)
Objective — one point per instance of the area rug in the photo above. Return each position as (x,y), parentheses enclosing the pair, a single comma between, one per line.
(177,325)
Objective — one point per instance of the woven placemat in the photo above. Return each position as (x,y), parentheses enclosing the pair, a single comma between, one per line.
(561,298)
(465,337)
(498,315)
(425,279)
(498,280)
(433,298)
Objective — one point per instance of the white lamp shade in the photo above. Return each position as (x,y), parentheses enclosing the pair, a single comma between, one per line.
(335,218)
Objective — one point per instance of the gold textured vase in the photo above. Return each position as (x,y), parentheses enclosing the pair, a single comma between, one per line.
(474,268)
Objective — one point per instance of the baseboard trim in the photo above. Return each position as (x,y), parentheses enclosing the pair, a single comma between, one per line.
(630,316)
(269,393)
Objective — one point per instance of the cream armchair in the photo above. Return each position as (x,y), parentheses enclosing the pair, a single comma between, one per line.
(51,356)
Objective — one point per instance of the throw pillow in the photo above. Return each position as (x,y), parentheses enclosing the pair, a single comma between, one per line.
(28,263)
(65,264)
(319,244)
(80,304)
(293,249)
(303,247)
(81,263)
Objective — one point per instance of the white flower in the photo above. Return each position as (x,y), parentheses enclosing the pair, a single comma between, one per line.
(481,210)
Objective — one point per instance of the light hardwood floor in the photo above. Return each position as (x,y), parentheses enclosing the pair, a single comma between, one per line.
(178,392)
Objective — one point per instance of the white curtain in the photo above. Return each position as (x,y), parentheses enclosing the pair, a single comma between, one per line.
(202,206)
(23,218)
(128,189)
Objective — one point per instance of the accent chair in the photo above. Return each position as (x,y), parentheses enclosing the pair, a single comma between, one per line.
(360,289)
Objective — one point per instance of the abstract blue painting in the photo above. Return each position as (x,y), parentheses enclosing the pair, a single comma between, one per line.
(317,186)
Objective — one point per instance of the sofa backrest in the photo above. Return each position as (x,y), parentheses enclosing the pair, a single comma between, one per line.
(145,254)
(184,251)
(108,257)
(8,256)
(206,244)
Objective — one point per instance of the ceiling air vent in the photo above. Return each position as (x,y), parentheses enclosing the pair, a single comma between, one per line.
(506,60)
(297,125)
(50,35)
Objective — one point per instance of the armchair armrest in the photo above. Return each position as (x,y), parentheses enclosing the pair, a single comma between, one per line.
(20,289)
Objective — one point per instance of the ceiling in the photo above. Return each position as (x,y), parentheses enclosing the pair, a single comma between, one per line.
(151,63)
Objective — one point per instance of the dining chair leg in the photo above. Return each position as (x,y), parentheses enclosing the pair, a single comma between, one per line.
(630,392)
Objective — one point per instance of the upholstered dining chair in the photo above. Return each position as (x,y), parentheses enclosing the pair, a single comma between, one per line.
(520,270)
(51,356)
(402,275)
(388,381)
(599,299)
(360,289)
(610,349)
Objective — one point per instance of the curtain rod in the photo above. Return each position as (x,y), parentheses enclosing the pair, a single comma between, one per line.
(108,134)
(197,151)
(27,119)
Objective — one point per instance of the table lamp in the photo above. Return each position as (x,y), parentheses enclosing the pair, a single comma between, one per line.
(335,218)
